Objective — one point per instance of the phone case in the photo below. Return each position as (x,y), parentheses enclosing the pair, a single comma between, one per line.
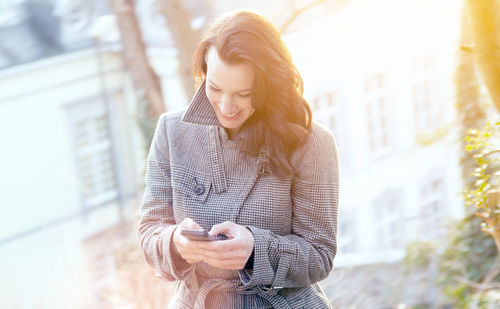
(201,235)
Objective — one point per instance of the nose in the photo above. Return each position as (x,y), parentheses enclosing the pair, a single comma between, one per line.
(226,106)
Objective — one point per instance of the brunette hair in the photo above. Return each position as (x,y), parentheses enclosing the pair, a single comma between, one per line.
(282,119)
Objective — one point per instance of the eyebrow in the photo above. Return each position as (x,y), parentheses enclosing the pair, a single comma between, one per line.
(236,91)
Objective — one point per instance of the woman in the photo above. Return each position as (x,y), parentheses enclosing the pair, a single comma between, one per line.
(246,161)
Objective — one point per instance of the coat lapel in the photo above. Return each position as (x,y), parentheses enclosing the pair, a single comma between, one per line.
(200,111)
(261,169)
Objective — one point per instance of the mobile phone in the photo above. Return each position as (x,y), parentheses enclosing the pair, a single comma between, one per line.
(201,235)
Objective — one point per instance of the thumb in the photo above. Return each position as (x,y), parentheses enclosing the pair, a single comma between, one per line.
(188,223)
(224,228)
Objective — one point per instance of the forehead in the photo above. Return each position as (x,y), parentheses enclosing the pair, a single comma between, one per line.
(230,76)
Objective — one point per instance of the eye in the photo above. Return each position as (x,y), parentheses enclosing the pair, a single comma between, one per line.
(214,89)
(245,95)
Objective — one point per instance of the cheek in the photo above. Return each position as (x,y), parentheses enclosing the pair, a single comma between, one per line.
(212,97)
(249,107)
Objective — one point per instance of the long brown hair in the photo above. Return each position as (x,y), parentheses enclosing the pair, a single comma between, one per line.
(282,119)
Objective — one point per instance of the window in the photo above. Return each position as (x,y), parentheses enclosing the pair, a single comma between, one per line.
(388,220)
(432,210)
(377,109)
(346,234)
(326,110)
(93,149)
(424,109)
(74,14)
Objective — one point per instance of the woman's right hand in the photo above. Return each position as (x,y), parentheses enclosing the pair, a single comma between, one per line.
(185,247)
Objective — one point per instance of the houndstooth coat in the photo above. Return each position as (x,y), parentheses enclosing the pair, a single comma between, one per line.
(195,171)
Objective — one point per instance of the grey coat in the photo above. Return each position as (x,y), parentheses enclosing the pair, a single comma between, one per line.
(195,171)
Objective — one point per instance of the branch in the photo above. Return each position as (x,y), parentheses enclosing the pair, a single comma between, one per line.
(144,78)
(185,39)
(494,271)
(489,152)
(476,285)
(297,13)
(467,49)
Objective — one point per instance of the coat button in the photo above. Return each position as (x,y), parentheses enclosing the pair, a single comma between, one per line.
(199,189)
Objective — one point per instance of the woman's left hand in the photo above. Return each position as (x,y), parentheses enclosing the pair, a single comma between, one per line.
(232,253)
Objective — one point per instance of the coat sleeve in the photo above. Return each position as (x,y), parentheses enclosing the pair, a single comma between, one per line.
(306,255)
(157,223)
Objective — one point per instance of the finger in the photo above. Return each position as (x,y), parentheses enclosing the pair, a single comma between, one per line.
(186,246)
(189,223)
(220,246)
(224,256)
(193,258)
(237,256)
(193,253)
(191,245)
(226,227)
(214,261)
(226,264)
(229,261)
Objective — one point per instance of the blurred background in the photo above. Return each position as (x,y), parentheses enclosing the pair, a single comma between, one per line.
(409,88)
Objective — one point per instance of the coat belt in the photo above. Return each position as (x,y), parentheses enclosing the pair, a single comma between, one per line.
(225,285)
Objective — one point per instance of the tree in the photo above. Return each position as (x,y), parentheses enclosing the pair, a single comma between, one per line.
(296,13)
(146,82)
(484,197)
(470,262)
(485,24)
(185,39)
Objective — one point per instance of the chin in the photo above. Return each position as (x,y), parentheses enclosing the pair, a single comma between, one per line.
(230,126)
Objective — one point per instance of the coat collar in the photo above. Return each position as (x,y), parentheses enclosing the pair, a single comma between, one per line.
(200,111)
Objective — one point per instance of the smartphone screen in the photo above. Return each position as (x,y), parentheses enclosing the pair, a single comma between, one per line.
(201,235)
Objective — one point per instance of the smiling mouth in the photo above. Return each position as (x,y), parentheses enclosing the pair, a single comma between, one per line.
(231,116)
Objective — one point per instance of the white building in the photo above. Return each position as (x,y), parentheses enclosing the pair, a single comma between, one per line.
(380,75)
(72,159)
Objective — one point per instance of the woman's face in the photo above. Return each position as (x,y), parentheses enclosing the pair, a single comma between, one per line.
(229,89)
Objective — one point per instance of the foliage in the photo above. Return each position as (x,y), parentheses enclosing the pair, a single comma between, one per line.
(418,255)
(470,262)
(487,174)
(146,121)
(468,256)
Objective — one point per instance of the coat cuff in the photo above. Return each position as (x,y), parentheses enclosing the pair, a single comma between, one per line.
(249,263)
(172,262)
(262,267)
(271,262)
